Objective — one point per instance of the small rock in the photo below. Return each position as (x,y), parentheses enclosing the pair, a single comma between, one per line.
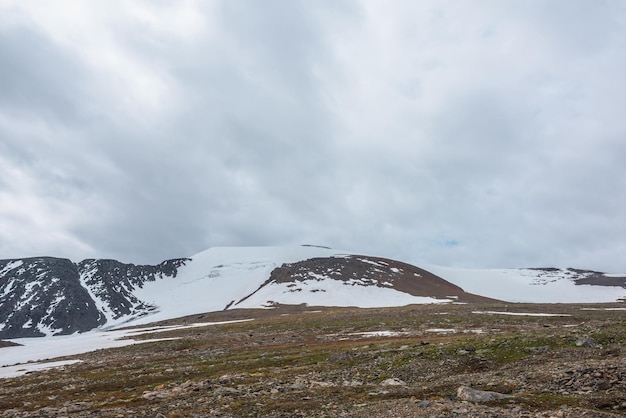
(297,386)
(537,350)
(586,342)
(473,395)
(48,411)
(322,384)
(149,394)
(394,381)
(228,391)
(340,356)
(425,404)
(160,415)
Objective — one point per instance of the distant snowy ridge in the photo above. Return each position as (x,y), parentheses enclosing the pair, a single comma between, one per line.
(51,296)
(538,285)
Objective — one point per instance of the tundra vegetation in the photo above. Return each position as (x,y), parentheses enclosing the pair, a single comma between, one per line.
(418,360)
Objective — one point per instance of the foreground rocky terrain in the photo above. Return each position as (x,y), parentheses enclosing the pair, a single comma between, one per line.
(444,360)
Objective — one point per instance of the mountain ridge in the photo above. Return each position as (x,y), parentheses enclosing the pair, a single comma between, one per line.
(42,296)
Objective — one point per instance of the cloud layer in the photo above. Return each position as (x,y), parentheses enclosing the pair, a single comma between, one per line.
(482,133)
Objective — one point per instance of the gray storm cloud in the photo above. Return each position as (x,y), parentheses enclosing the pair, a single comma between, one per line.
(484,133)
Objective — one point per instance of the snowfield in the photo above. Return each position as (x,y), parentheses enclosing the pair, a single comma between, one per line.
(329,292)
(219,277)
(33,352)
(529,285)
(223,277)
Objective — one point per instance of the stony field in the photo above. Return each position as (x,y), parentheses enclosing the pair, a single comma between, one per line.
(417,361)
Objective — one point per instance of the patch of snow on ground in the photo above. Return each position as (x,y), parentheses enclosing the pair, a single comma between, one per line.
(372,262)
(44,348)
(603,309)
(453,330)
(441,330)
(21,369)
(366,334)
(518,313)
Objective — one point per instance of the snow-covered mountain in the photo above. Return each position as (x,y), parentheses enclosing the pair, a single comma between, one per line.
(538,285)
(52,296)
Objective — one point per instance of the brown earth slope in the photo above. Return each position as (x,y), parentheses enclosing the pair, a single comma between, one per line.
(359,270)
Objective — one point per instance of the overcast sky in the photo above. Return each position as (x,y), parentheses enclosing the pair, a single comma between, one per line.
(461,133)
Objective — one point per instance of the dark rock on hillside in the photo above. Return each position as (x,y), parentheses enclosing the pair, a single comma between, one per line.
(581,276)
(599,279)
(54,296)
(44,293)
(113,283)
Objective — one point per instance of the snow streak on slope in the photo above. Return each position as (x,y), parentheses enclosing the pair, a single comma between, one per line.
(112,285)
(548,285)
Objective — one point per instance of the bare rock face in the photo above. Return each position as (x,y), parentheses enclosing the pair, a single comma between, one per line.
(42,296)
(580,277)
(465,393)
(393,382)
(113,283)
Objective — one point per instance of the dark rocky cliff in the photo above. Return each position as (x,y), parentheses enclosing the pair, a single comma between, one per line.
(43,295)
(53,296)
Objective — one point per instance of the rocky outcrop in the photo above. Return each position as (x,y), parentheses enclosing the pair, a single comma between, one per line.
(53,296)
(41,296)
(112,283)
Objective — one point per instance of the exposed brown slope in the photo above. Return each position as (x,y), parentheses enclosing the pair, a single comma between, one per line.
(373,271)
